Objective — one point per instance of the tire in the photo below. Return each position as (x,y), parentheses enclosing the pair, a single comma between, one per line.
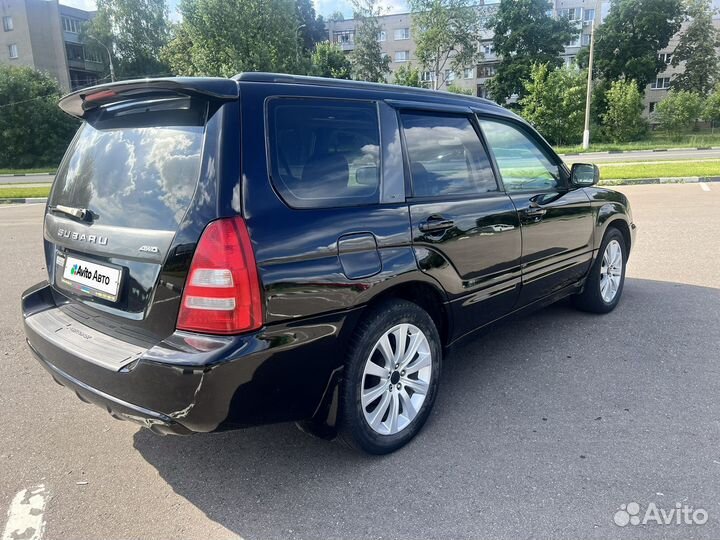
(394,408)
(597,295)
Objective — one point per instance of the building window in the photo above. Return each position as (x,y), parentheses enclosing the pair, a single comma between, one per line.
(468,73)
(485,71)
(572,14)
(13,50)
(8,23)
(402,33)
(402,56)
(344,36)
(72,25)
(381,35)
(589,15)
(665,58)
(427,76)
(574,42)
(661,83)
(585,40)
(449,75)
(92,55)
(488,48)
(651,106)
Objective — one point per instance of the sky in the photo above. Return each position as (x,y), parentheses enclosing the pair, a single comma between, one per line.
(322,7)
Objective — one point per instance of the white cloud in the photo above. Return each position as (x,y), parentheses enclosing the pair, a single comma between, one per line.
(87,5)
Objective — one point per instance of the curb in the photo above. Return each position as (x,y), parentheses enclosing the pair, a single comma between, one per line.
(49,173)
(640,151)
(678,180)
(29,200)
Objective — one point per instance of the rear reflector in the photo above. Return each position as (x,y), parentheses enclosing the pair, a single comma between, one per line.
(222,294)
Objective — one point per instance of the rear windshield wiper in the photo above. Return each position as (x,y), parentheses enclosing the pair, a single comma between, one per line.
(82,214)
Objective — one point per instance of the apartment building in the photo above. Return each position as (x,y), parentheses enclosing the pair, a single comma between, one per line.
(398,43)
(44,35)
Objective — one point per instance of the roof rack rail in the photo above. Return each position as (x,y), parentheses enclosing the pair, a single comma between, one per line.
(285,78)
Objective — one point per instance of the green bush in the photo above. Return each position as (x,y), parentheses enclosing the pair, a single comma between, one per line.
(623,121)
(34,132)
(679,111)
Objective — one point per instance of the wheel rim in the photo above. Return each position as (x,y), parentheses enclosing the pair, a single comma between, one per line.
(611,271)
(396,379)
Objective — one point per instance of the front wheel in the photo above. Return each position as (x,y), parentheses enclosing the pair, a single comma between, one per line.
(604,285)
(391,377)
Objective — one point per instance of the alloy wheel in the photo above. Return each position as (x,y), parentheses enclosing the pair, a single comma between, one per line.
(611,271)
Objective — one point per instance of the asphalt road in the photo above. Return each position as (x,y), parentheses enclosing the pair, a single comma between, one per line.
(542,428)
(642,156)
(28,179)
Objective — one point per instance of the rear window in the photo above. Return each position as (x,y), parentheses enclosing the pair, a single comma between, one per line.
(134,170)
(324,153)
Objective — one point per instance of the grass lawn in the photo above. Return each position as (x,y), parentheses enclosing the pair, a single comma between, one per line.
(46,170)
(659,170)
(657,140)
(23,192)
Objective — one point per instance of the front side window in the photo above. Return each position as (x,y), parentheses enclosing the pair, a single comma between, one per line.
(522,163)
(324,153)
(446,155)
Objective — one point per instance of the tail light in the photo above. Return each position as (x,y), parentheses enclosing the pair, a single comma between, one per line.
(222,294)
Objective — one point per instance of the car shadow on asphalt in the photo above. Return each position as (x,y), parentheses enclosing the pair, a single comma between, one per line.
(559,409)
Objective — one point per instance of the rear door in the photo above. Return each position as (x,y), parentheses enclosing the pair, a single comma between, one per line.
(117,213)
(465,229)
(557,222)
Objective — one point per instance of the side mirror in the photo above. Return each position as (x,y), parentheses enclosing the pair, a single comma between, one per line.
(584,174)
(367,176)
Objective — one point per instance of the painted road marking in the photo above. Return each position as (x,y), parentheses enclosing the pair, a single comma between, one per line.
(704,186)
(26,516)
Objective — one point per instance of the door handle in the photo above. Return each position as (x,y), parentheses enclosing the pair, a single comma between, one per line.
(435,224)
(535,211)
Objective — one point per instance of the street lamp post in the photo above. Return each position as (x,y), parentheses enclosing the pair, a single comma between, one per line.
(297,43)
(112,68)
(588,95)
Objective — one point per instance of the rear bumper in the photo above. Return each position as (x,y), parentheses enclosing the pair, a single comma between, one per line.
(188,382)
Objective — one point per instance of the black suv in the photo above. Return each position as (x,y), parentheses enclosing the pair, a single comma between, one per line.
(225,253)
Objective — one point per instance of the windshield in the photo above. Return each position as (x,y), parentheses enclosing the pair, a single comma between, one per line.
(141,177)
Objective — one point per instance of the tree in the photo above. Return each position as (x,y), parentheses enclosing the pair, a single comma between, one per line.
(696,50)
(455,89)
(623,119)
(134,31)
(678,112)
(225,37)
(337,16)
(33,130)
(329,60)
(524,35)
(445,35)
(711,111)
(628,41)
(369,62)
(312,29)
(407,75)
(554,102)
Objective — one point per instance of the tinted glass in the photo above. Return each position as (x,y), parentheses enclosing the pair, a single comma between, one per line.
(446,156)
(325,153)
(141,177)
(523,165)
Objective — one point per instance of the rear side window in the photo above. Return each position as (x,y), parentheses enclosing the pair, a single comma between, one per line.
(324,153)
(446,155)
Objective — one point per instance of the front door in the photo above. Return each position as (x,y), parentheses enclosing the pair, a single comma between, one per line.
(557,223)
(466,232)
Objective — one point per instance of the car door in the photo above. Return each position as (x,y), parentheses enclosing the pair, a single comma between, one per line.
(466,232)
(556,222)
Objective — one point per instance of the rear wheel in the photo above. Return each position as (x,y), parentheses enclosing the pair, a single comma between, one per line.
(604,285)
(391,377)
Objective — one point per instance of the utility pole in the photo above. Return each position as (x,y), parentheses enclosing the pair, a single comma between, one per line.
(588,96)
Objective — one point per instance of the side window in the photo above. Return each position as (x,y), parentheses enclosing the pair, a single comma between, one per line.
(324,153)
(523,165)
(446,155)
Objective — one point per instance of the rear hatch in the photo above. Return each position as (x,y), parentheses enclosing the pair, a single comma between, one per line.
(126,187)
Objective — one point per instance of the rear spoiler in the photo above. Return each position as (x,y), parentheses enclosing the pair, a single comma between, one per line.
(79,103)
